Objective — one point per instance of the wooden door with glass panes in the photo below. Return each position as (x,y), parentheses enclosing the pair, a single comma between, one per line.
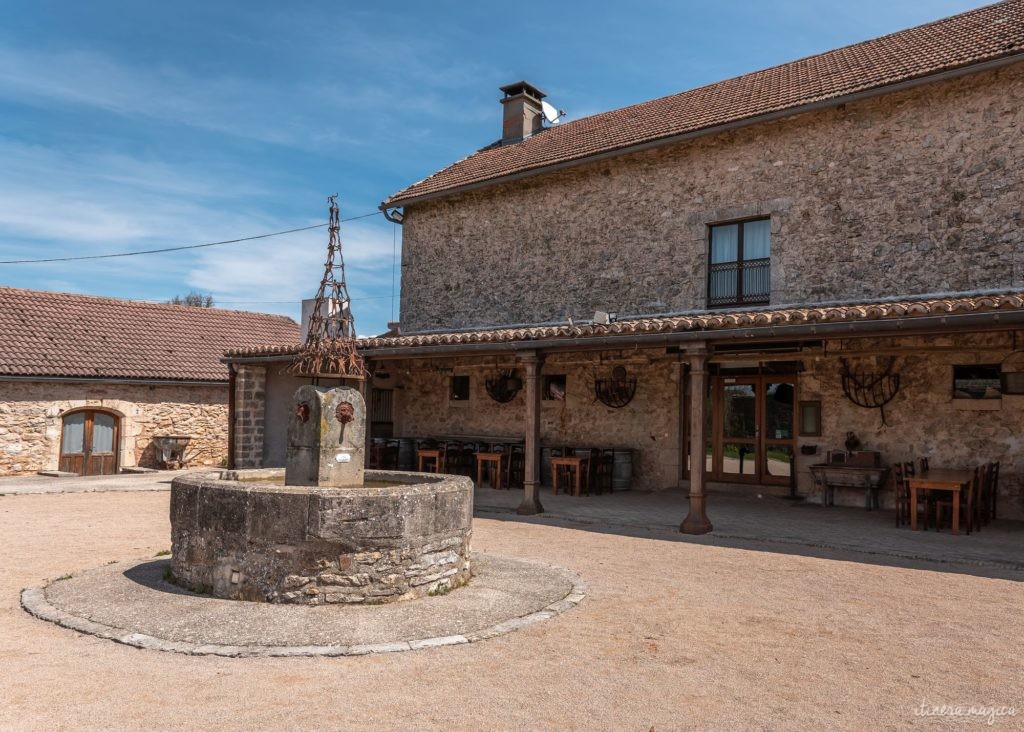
(752,435)
(88,443)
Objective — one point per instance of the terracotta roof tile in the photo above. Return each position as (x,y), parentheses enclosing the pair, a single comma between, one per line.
(973,37)
(681,323)
(60,334)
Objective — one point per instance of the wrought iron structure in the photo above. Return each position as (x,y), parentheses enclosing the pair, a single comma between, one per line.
(330,347)
(504,387)
(871,389)
(616,392)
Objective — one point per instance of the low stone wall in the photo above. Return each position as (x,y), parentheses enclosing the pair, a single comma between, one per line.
(305,545)
(30,421)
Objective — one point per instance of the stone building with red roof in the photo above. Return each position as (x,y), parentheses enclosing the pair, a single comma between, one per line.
(817,261)
(88,383)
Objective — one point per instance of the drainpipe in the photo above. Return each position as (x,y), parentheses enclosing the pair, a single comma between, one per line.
(231,416)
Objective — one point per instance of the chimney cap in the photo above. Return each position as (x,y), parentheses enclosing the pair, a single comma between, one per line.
(522,87)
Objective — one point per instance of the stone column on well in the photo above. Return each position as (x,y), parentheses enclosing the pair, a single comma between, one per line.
(531,464)
(326,437)
(696,521)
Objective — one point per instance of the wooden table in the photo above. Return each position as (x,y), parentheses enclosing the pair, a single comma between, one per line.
(495,464)
(939,480)
(580,464)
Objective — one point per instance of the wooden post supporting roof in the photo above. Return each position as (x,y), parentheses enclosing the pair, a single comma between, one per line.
(531,467)
(696,521)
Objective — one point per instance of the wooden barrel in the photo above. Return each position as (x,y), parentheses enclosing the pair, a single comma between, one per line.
(622,470)
(406,453)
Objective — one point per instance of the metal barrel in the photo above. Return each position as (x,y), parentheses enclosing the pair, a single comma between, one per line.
(622,470)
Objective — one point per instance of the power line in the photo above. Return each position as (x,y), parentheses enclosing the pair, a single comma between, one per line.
(289,302)
(178,249)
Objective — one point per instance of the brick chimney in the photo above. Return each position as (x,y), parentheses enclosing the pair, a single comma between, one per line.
(523,114)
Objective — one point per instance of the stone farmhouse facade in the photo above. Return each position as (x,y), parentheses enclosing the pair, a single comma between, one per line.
(86,383)
(749,252)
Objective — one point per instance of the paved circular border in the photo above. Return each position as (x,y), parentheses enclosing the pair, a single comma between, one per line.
(34,601)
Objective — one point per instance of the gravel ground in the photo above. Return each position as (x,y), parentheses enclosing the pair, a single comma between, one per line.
(672,635)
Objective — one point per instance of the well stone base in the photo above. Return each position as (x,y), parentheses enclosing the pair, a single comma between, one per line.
(405,535)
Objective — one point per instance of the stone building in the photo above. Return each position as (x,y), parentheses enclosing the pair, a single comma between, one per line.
(86,383)
(758,255)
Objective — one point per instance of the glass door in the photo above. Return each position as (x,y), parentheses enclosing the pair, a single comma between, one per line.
(739,431)
(751,435)
(779,439)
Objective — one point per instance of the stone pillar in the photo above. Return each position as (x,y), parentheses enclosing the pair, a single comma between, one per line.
(250,404)
(696,521)
(531,469)
(326,437)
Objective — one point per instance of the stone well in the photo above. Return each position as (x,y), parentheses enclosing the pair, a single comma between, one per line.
(399,536)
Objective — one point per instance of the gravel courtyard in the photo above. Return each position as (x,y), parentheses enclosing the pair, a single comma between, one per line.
(673,634)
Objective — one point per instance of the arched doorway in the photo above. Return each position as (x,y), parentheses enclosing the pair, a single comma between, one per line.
(88,442)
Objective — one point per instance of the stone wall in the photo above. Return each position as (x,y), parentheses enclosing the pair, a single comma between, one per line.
(924,419)
(30,421)
(911,193)
(250,406)
(649,424)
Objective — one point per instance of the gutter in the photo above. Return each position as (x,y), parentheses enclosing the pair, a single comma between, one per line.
(231,416)
(736,124)
(916,325)
(109,380)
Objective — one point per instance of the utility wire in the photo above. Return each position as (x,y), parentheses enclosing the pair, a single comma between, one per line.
(285,302)
(178,249)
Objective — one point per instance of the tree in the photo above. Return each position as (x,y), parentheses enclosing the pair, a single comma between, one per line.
(193,299)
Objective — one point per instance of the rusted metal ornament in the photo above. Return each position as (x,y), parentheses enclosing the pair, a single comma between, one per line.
(345,412)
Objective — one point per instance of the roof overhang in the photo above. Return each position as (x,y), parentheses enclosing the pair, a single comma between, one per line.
(127,380)
(892,318)
(1012,58)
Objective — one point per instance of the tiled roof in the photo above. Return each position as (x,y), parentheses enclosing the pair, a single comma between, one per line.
(65,335)
(682,323)
(973,37)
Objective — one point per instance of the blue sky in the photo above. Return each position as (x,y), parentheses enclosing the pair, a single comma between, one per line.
(131,125)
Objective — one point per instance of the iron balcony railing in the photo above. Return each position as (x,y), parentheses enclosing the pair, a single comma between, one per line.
(739,283)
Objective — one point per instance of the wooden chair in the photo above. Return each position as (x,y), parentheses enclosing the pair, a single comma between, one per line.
(923,462)
(993,490)
(899,474)
(516,471)
(602,464)
(944,505)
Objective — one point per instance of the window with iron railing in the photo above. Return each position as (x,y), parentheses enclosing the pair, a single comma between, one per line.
(739,267)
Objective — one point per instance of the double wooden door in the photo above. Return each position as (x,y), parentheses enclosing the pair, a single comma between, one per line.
(88,443)
(752,429)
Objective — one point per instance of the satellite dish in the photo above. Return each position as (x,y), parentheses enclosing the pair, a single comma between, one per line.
(551,114)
